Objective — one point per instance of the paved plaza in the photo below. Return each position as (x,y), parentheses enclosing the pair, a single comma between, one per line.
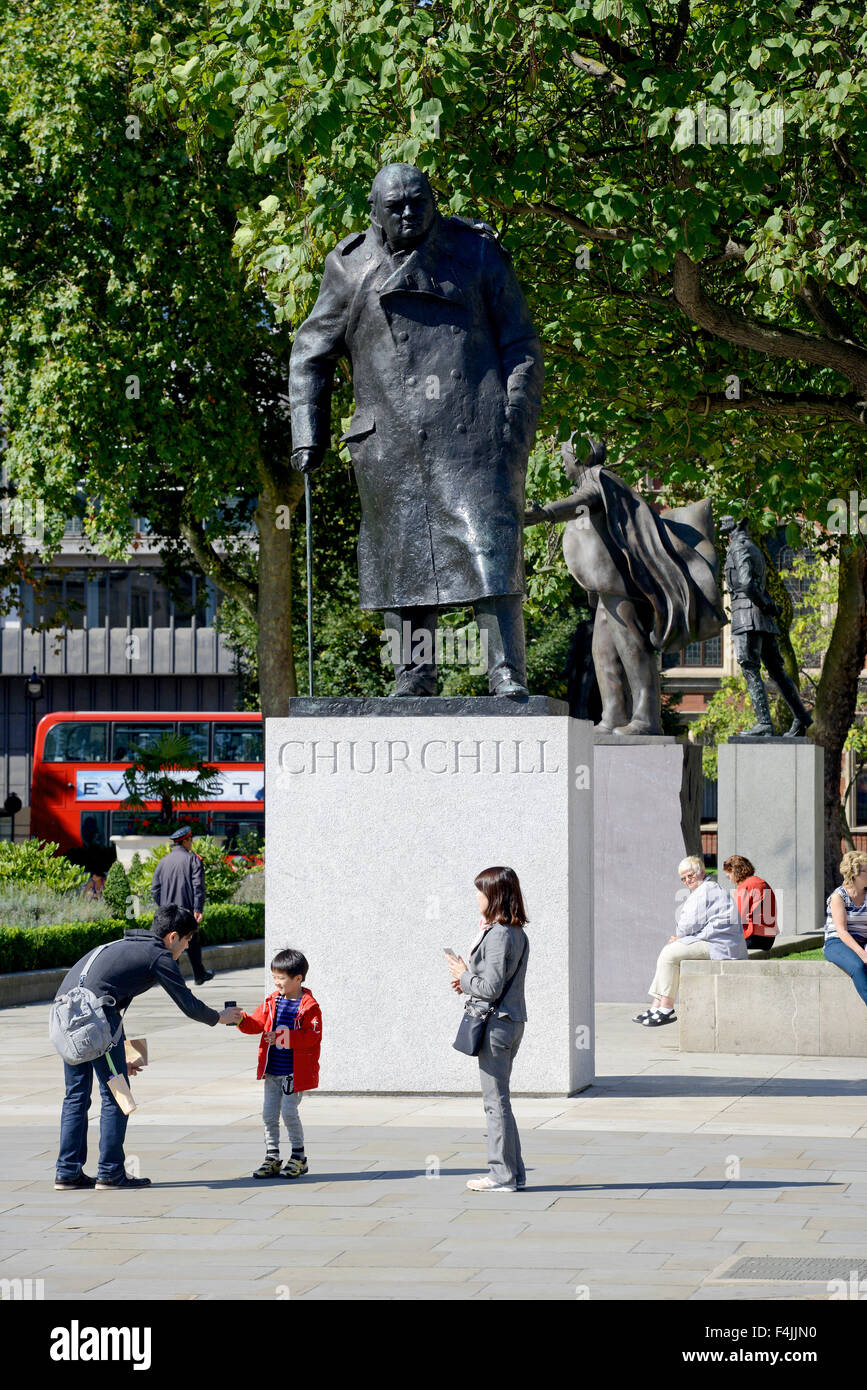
(652,1185)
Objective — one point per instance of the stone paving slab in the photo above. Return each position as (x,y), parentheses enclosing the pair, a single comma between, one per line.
(629,1191)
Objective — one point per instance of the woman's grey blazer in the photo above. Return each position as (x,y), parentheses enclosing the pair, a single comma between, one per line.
(490,965)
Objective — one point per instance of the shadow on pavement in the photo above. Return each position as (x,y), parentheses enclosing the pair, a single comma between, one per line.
(654,1087)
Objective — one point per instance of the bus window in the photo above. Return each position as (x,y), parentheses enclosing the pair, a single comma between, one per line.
(237,826)
(130,736)
(134,822)
(76,743)
(198,736)
(238,743)
(94,828)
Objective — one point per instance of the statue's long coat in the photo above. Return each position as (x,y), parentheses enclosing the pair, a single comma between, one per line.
(440,342)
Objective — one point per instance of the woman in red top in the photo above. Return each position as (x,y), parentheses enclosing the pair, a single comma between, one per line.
(756,902)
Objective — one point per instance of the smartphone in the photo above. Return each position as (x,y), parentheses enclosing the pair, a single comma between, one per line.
(230,1004)
(449,952)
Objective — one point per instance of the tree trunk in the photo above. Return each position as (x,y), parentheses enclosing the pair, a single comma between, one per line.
(837,692)
(281,492)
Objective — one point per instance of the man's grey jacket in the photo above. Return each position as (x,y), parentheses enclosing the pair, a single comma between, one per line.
(179,879)
(442,346)
(135,963)
(491,963)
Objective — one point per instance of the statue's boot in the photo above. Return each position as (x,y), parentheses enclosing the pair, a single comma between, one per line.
(646,712)
(415,631)
(801,720)
(501,628)
(758,696)
(798,728)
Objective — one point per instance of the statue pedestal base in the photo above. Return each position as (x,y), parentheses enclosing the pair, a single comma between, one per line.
(647,817)
(376,826)
(770,810)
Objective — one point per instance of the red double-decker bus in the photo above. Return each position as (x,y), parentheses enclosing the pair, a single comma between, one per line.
(79,761)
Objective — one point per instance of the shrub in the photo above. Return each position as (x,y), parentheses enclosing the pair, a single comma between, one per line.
(116,892)
(221,878)
(59,946)
(36,863)
(34,907)
(251,889)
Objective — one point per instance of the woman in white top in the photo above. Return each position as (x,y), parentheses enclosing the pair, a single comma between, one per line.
(708,927)
(846,921)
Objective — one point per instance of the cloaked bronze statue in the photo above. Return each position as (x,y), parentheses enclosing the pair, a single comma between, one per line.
(652,576)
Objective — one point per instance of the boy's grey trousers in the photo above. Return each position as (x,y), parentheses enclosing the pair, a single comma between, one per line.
(274,1101)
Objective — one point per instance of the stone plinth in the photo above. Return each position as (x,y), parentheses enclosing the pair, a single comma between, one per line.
(778,1008)
(376,826)
(647,817)
(770,810)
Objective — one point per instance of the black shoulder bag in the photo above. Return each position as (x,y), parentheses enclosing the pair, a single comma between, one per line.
(471,1032)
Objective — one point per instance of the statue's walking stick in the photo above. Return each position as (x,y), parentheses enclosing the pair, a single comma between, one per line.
(309,528)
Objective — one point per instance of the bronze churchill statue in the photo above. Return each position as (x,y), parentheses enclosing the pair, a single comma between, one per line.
(447,375)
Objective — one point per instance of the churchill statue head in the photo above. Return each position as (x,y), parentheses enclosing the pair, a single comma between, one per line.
(402,205)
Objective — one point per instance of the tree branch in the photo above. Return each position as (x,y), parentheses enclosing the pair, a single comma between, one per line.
(785,403)
(558,214)
(218,568)
(759,336)
(825,314)
(675,43)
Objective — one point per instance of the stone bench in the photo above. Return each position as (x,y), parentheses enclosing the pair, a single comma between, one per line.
(777,1007)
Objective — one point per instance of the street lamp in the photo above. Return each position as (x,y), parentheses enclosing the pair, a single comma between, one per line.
(34,686)
(11,806)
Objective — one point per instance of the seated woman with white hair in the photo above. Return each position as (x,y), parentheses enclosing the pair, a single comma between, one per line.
(708,927)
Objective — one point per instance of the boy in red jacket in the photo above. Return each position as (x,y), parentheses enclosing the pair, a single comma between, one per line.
(290,1022)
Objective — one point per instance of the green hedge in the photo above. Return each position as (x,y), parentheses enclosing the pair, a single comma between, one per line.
(47,948)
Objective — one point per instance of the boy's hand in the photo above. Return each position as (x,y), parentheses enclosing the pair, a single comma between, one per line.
(270,1038)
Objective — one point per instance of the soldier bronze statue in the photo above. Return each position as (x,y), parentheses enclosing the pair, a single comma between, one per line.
(447,374)
(754,631)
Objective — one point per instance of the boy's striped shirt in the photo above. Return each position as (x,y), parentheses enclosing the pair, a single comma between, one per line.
(280,1058)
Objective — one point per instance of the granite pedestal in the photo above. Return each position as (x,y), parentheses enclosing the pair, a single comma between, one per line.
(770,810)
(647,817)
(376,826)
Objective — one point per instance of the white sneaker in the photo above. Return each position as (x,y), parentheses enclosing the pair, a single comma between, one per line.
(487,1184)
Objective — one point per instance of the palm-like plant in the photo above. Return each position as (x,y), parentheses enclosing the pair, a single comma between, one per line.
(169,771)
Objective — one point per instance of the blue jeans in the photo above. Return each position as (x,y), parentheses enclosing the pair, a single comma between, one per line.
(840,954)
(73,1119)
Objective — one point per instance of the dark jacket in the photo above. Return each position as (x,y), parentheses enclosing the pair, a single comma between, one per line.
(752,607)
(179,879)
(490,965)
(131,966)
(441,344)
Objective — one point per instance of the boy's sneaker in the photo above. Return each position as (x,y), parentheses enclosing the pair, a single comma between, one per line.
(294,1168)
(269,1169)
(78,1184)
(125,1182)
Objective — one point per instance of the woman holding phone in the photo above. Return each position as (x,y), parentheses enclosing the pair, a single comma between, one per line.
(494,979)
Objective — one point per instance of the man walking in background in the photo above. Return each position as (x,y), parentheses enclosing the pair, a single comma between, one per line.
(179,880)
